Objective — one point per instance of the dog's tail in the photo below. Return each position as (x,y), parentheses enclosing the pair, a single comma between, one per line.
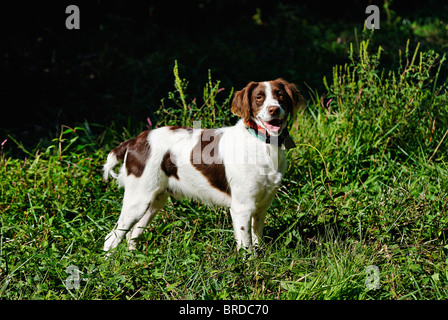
(113,158)
(108,168)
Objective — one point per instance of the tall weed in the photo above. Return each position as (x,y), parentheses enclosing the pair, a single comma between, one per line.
(181,110)
(377,109)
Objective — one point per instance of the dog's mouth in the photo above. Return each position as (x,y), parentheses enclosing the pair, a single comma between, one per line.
(274,125)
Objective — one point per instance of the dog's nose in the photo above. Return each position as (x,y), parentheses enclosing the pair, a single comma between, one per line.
(273,111)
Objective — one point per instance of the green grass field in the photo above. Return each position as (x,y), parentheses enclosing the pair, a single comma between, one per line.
(366,186)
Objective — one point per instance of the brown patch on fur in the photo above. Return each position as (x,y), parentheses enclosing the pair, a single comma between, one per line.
(138,151)
(204,159)
(174,128)
(292,100)
(242,101)
(168,166)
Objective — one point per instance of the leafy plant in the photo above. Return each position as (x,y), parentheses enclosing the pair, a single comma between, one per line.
(180,110)
(402,109)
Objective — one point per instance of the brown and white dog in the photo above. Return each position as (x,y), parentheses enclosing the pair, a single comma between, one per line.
(239,167)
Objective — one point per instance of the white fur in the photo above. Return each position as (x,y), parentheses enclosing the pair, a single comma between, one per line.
(112,161)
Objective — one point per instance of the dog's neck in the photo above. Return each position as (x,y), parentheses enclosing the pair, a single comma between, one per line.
(283,140)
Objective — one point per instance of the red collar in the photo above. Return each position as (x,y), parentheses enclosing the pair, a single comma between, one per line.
(259,129)
(284,140)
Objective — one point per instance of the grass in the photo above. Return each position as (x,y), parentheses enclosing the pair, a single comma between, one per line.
(367,186)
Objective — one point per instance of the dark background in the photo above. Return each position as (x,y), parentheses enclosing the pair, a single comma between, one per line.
(118,66)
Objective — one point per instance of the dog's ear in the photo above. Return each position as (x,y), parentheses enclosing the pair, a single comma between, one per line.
(294,95)
(241,104)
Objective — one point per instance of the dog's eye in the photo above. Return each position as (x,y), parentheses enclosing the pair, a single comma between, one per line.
(281,96)
(259,97)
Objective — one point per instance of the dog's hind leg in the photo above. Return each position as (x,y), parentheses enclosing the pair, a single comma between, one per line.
(134,207)
(139,227)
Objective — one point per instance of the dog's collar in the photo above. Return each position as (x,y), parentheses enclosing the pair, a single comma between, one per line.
(283,140)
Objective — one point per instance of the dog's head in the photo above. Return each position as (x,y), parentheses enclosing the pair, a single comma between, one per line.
(268,104)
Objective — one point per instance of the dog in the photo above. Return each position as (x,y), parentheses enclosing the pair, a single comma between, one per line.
(239,167)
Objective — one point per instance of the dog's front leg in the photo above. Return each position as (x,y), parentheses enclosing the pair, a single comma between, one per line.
(241,219)
(257,227)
